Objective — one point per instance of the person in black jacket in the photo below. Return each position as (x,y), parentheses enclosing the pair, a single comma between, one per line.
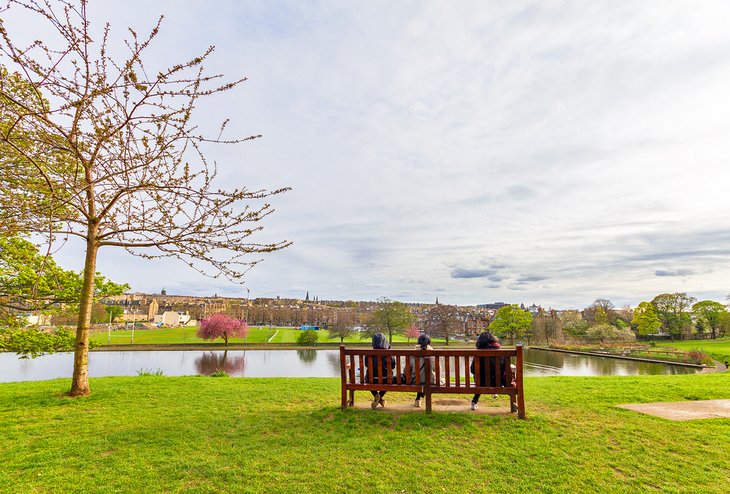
(486,341)
(380,369)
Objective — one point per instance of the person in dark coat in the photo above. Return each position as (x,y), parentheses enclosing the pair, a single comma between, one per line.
(380,369)
(487,341)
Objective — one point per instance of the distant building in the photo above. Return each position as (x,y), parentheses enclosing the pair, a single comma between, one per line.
(494,306)
(37,319)
(172,318)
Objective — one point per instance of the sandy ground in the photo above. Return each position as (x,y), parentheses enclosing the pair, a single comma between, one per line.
(684,410)
(487,405)
(679,410)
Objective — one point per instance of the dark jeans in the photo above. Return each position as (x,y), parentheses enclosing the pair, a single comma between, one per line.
(420,395)
(376,393)
(475,399)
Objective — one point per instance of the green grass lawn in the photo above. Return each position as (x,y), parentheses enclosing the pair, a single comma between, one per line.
(719,349)
(165,336)
(200,434)
(186,335)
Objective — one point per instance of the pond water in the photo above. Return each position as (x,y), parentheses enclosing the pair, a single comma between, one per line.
(287,363)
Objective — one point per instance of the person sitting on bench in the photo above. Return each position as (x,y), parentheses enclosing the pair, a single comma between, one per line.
(418,371)
(380,369)
(486,341)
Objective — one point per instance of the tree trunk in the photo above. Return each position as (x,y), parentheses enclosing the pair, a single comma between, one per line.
(80,384)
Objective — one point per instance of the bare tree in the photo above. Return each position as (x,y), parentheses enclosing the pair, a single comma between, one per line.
(121,161)
(553,327)
(390,317)
(442,321)
(344,325)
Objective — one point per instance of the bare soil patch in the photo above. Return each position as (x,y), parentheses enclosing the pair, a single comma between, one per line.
(487,406)
(683,410)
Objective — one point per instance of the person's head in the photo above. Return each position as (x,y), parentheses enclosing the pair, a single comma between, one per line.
(485,339)
(424,340)
(380,342)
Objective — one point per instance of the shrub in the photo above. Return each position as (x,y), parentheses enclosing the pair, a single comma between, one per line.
(33,341)
(698,357)
(219,373)
(149,372)
(308,338)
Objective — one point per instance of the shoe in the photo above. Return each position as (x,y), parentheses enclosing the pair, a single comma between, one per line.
(417,404)
(513,408)
(494,396)
(473,406)
(382,402)
(375,402)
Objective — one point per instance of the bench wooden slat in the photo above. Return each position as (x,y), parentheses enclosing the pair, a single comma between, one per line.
(477,370)
(447,363)
(427,385)
(467,374)
(487,373)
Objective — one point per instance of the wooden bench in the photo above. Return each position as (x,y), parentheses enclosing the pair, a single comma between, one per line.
(450,366)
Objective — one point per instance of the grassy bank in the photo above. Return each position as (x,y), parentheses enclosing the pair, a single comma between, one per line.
(186,336)
(198,434)
(718,349)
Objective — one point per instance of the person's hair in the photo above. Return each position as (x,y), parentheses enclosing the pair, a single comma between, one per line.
(380,342)
(485,339)
(424,340)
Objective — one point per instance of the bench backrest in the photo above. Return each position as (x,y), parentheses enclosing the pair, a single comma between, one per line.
(403,370)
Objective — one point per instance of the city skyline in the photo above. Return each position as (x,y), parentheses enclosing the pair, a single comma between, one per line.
(474,152)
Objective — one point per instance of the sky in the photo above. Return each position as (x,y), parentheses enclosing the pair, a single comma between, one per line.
(548,152)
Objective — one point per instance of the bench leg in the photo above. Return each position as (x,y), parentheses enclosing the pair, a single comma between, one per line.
(512,403)
(352,398)
(428,402)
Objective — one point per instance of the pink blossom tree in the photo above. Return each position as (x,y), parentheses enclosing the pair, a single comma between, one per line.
(412,332)
(221,326)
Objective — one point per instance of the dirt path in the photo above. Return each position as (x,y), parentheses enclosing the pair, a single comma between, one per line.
(683,410)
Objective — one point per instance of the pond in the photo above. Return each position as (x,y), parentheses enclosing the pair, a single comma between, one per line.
(287,363)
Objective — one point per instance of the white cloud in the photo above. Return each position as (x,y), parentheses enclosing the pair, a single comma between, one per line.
(468,146)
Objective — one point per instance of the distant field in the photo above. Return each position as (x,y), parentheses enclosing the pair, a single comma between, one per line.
(186,335)
(719,349)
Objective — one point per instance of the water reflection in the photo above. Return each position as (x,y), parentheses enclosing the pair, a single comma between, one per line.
(307,357)
(333,358)
(543,363)
(211,362)
(287,363)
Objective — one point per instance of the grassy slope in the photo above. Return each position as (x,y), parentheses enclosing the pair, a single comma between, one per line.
(196,434)
(187,335)
(719,349)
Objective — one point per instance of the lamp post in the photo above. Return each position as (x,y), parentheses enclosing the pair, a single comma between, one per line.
(134,322)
